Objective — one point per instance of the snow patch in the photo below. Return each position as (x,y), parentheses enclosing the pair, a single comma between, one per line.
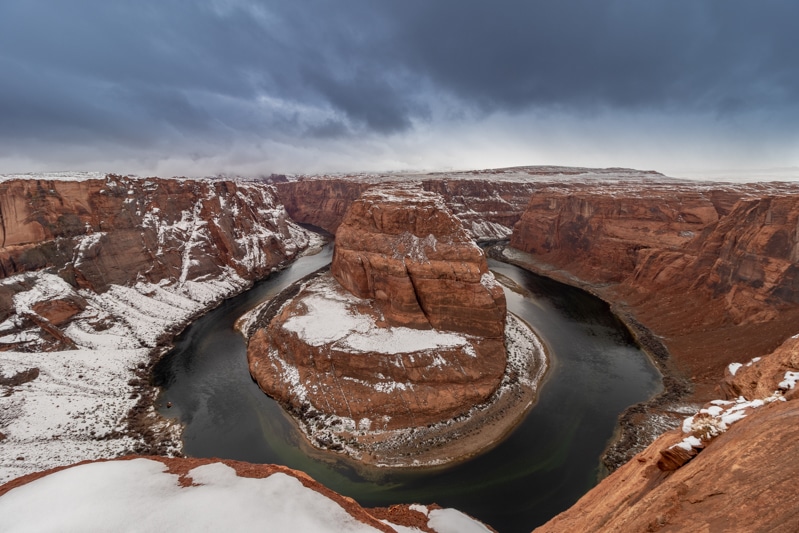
(788,380)
(331,318)
(140,494)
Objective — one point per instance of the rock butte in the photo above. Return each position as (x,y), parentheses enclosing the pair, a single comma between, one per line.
(428,321)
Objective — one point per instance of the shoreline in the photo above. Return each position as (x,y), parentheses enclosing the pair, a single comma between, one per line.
(641,423)
(155,433)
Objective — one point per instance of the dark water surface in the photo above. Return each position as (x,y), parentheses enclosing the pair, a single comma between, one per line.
(542,468)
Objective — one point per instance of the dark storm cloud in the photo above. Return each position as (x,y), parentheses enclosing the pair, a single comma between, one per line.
(137,73)
(614,53)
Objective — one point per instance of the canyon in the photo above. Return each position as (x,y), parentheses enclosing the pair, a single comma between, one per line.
(704,274)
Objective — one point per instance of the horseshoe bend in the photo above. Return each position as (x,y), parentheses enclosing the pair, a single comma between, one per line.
(408,328)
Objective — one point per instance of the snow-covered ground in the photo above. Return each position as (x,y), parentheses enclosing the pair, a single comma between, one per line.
(331,319)
(54,176)
(76,408)
(141,495)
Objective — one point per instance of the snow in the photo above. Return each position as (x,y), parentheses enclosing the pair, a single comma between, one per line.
(331,318)
(733,368)
(789,380)
(717,418)
(141,495)
(527,364)
(419,508)
(54,176)
(454,521)
(69,412)
(77,408)
(138,495)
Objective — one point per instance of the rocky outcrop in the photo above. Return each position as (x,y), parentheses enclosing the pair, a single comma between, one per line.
(381,378)
(321,509)
(320,202)
(729,467)
(115,231)
(403,248)
(487,202)
(778,370)
(742,481)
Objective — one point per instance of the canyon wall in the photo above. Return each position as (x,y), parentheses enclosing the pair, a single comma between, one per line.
(743,481)
(709,268)
(730,467)
(94,235)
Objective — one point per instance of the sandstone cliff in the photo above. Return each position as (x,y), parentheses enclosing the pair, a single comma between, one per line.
(403,248)
(710,269)
(730,467)
(120,232)
(487,202)
(106,272)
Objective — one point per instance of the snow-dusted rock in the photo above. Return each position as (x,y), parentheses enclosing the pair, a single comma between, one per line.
(159,494)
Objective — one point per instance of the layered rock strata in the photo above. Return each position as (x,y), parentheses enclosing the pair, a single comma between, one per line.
(96,235)
(403,248)
(407,331)
(703,266)
(487,202)
(98,275)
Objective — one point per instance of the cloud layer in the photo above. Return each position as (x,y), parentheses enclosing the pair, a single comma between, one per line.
(210,86)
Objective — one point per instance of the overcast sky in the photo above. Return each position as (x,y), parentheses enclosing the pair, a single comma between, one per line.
(198,87)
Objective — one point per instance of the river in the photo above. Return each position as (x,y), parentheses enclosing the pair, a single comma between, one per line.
(543,467)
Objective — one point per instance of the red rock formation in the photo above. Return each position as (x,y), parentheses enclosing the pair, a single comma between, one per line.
(742,481)
(389,387)
(320,202)
(763,375)
(409,264)
(402,248)
(710,269)
(487,202)
(120,231)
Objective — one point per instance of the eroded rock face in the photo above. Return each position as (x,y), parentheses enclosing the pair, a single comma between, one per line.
(742,481)
(98,234)
(325,353)
(406,331)
(709,268)
(114,231)
(403,248)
